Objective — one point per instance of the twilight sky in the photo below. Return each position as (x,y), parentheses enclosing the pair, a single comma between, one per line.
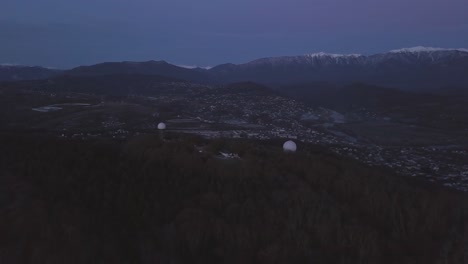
(68,33)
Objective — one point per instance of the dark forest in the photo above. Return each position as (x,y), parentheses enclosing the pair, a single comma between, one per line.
(147,200)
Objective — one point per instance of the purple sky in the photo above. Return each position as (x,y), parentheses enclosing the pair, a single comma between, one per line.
(67,33)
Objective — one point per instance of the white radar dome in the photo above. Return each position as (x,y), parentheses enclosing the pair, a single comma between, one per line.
(289,146)
(161,126)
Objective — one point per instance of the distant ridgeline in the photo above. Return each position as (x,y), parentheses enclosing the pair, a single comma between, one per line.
(413,69)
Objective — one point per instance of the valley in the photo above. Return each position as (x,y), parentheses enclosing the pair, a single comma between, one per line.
(401,137)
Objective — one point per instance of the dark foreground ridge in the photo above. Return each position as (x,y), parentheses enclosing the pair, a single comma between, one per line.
(144,200)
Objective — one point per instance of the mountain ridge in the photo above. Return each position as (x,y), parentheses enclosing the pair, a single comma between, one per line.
(414,69)
(409,69)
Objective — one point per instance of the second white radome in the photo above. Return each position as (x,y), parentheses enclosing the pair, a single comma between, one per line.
(289,146)
(161,126)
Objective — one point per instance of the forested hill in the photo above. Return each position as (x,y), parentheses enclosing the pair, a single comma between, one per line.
(179,201)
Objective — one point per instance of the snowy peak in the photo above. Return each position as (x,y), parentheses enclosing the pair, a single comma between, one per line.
(320,58)
(332,55)
(410,68)
(421,49)
(333,58)
(194,67)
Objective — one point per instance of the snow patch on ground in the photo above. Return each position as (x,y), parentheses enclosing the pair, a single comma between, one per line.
(46,109)
(226,155)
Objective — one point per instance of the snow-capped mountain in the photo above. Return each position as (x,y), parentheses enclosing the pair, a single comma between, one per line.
(410,68)
(322,58)
(421,55)
(421,49)
(315,58)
